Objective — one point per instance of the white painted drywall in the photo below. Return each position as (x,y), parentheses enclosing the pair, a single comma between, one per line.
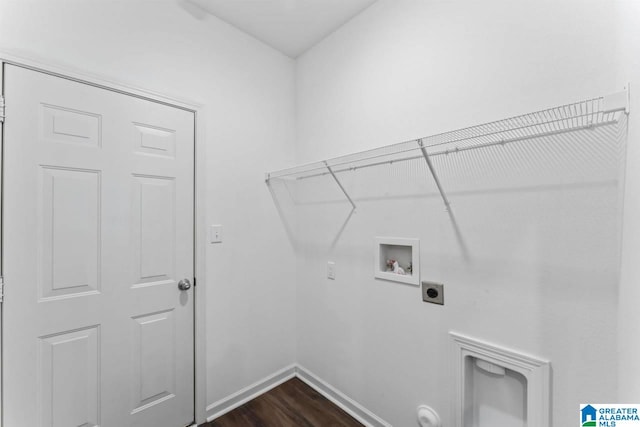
(247,91)
(628,33)
(543,268)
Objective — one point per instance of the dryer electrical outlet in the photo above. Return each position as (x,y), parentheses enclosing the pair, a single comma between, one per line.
(433,292)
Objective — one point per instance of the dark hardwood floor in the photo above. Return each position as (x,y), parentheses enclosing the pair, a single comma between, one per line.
(292,404)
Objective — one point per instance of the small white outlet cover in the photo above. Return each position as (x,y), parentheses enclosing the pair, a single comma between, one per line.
(215,234)
(331,270)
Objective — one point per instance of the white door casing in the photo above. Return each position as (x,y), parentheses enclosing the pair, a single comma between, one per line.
(98,221)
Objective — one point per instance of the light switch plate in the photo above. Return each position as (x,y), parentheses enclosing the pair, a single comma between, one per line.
(331,270)
(433,292)
(215,234)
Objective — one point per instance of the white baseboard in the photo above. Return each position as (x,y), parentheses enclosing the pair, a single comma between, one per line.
(344,402)
(222,406)
(350,406)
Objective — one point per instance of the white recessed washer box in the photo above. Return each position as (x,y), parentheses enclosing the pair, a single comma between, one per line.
(406,252)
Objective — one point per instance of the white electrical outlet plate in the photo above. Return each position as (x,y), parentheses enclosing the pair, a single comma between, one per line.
(331,270)
(215,234)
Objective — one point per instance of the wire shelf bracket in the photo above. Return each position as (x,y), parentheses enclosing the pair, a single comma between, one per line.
(447,205)
(340,185)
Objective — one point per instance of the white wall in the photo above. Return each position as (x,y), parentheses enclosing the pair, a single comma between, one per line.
(543,267)
(247,91)
(628,33)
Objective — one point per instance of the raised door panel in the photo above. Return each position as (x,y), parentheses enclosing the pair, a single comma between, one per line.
(154,141)
(153,230)
(62,124)
(70,221)
(154,359)
(69,379)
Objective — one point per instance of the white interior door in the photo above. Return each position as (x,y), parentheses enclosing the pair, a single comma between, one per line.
(98,220)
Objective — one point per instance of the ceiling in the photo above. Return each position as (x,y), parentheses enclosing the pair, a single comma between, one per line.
(290,26)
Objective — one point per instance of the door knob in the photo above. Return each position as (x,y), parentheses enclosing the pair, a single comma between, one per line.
(184,284)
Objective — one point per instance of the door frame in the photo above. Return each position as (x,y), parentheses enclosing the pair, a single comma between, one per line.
(199,290)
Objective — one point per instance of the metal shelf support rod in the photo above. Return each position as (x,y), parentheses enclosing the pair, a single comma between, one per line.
(340,184)
(433,173)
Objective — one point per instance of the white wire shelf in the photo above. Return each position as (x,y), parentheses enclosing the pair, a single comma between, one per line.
(589,114)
